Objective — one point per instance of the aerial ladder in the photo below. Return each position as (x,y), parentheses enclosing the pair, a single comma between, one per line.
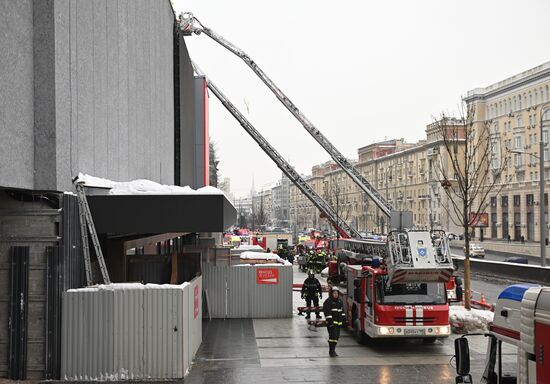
(190,24)
(412,255)
(345,230)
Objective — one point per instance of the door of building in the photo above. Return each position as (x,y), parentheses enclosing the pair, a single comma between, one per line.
(530,226)
(517,226)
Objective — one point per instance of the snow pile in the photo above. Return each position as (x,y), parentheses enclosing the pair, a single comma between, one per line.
(247,247)
(250,255)
(127,287)
(467,321)
(144,187)
(259,256)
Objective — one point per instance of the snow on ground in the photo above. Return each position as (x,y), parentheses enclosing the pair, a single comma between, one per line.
(144,187)
(469,321)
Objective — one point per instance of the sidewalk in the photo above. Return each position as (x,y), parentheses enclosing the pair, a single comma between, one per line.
(278,351)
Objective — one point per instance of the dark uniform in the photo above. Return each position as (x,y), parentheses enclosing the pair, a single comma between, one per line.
(336,318)
(312,292)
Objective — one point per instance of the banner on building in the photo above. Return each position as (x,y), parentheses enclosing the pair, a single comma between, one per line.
(479,220)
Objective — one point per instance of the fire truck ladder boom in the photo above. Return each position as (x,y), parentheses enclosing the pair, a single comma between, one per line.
(189,25)
(341,226)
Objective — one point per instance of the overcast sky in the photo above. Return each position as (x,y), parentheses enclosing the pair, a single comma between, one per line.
(361,71)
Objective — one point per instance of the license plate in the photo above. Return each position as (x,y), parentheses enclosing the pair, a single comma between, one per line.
(415,332)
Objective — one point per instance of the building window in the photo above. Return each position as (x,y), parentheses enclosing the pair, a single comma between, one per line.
(504,201)
(517,200)
(520,121)
(493,201)
(519,142)
(530,199)
(546,154)
(519,102)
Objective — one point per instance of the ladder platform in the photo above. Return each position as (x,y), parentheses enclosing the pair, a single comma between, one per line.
(419,256)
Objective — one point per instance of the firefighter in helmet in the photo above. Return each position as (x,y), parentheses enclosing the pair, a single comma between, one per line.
(312,292)
(333,308)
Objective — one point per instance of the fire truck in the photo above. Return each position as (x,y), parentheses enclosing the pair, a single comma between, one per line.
(397,289)
(522,319)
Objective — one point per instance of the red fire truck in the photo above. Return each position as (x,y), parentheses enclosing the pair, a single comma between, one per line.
(378,309)
(398,287)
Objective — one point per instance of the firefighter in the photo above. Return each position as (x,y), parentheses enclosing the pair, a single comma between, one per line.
(312,292)
(333,308)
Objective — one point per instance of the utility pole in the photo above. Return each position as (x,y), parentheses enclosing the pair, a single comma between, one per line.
(542,220)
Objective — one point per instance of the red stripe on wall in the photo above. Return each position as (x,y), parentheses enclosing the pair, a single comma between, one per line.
(206,143)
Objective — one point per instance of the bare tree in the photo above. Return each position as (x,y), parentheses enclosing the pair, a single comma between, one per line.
(213,164)
(469,169)
(338,199)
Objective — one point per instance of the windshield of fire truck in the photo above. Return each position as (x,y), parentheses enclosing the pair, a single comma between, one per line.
(409,293)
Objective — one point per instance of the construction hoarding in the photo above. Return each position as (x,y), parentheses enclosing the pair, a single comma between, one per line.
(248,291)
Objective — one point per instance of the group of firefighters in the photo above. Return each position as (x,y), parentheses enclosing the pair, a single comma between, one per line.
(313,259)
(333,308)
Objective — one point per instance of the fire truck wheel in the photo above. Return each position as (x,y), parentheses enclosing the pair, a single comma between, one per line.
(428,340)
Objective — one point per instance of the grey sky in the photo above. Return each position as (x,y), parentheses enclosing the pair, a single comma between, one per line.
(361,71)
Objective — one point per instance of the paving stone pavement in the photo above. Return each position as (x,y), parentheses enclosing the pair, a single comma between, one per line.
(287,351)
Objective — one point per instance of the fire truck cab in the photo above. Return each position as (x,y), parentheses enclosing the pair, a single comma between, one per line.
(377,309)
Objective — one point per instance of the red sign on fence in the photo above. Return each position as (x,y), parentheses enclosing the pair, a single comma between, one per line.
(196,301)
(267,276)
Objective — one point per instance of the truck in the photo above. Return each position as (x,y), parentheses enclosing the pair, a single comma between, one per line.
(397,289)
(522,319)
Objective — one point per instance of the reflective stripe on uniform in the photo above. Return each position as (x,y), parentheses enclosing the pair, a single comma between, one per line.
(336,309)
(332,341)
(328,317)
(337,322)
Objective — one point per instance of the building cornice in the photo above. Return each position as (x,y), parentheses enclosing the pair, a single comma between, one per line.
(517,81)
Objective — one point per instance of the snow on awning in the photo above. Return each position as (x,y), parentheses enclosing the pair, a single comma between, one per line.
(146,207)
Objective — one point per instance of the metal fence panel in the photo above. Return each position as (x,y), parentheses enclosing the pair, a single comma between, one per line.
(164,335)
(195,316)
(126,331)
(215,286)
(233,292)
(271,300)
(238,294)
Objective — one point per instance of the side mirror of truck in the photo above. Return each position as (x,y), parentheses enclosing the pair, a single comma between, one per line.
(462,356)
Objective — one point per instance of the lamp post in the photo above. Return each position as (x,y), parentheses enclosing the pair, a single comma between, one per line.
(543,230)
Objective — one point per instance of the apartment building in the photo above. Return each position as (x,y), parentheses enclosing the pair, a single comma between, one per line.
(517,110)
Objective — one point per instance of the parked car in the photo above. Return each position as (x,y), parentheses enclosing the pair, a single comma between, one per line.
(476,250)
(452,236)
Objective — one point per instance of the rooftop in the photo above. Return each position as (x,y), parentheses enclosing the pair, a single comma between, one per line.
(511,82)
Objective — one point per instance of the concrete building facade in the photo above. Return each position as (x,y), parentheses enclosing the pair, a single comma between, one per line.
(105,88)
(514,108)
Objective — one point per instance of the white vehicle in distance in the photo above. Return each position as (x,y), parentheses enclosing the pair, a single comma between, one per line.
(476,250)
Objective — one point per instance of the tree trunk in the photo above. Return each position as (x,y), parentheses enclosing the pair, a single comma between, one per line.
(467,276)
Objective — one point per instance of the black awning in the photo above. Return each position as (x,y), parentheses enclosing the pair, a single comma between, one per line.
(145,214)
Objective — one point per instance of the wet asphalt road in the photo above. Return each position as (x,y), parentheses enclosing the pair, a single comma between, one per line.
(287,351)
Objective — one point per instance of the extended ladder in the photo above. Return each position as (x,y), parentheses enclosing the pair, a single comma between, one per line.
(189,25)
(87,224)
(341,226)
